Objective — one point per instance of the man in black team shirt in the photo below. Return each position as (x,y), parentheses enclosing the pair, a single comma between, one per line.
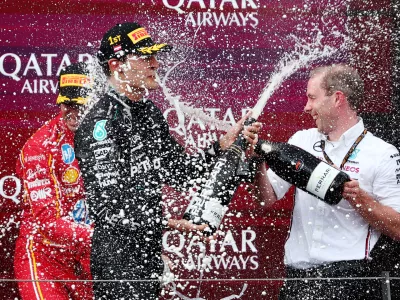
(126,154)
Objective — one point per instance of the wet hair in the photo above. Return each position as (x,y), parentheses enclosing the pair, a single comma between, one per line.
(342,78)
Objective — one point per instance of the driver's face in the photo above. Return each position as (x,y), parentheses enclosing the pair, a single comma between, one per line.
(70,114)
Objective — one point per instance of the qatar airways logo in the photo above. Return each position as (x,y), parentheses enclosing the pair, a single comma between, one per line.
(10,188)
(198,133)
(38,70)
(214,13)
(234,252)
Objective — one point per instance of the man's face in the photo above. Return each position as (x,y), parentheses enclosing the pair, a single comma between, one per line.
(70,114)
(140,72)
(320,106)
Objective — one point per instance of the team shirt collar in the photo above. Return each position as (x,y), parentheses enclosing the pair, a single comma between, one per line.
(350,135)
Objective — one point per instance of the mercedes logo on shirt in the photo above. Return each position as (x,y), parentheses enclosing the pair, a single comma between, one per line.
(318,146)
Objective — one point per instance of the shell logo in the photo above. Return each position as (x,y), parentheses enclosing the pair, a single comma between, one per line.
(70,175)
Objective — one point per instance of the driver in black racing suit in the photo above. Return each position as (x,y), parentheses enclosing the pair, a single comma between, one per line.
(126,154)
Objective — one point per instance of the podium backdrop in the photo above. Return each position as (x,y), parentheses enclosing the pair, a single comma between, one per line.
(225,51)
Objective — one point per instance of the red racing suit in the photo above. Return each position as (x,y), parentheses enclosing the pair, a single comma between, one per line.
(54,237)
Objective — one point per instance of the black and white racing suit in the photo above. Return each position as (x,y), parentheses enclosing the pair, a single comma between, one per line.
(126,154)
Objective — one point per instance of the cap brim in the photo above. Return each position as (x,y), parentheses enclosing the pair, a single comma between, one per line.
(154,49)
(77,100)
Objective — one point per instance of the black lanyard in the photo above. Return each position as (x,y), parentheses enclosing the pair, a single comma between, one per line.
(358,140)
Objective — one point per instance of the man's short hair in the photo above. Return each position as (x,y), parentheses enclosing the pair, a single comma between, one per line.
(342,78)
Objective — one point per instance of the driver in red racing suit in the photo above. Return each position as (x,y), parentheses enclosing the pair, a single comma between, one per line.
(54,237)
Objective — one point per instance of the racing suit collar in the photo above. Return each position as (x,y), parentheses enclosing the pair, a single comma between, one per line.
(125,101)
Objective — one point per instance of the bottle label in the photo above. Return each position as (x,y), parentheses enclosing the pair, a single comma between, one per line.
(321,179)
(194,209)
(213,212)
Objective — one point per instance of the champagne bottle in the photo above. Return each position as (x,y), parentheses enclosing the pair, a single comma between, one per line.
(304,170)
(211,203)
